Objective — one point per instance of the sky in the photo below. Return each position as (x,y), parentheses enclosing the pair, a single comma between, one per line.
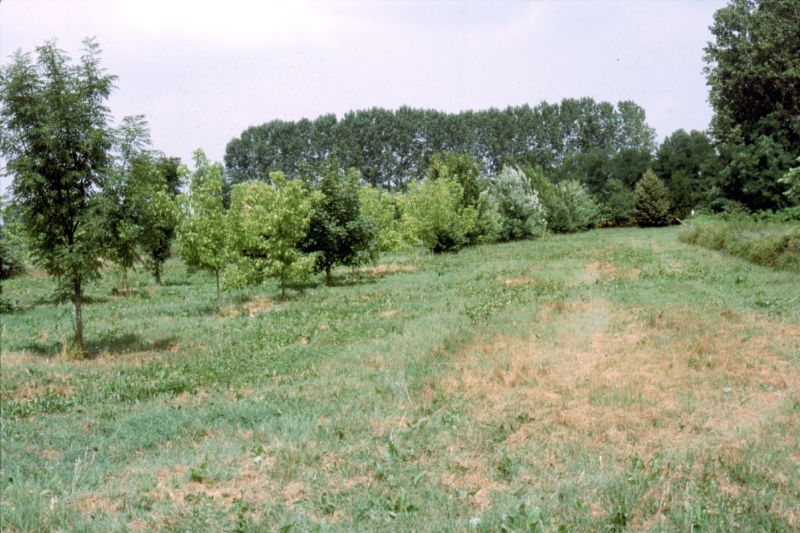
(201,72)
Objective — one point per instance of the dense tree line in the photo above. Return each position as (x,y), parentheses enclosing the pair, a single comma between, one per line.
(392,148)
(753,69)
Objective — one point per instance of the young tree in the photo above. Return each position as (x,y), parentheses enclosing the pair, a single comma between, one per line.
(466,171)
(380,208)
(156,210)
(651,202)
(55,137)
(432,214)
(131,173)
(572,208)
(792,181)
(338,233)
(268,222)
(617,203)
(203,236)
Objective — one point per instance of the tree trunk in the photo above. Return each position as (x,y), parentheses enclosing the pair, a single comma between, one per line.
(218,296)
(125,281)
(78,316)
(157,272)
(328,277)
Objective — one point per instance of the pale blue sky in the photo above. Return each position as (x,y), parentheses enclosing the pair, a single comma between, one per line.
(203,71)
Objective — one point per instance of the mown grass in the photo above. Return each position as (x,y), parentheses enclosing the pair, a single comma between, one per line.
(767,243)
(612,380)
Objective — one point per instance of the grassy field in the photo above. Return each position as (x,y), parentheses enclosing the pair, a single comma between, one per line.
(612,380)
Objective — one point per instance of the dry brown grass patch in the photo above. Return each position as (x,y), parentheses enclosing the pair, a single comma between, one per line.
(251,482)
(58,386)
(381,270)
(513,282)
(602,377)
(473,476)
(259,305)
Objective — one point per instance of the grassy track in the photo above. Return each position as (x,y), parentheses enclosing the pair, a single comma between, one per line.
(612,380)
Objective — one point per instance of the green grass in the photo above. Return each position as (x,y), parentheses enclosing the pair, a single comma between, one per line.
(611,380)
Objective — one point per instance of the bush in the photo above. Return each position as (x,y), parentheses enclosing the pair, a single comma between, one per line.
(433,214)
(379,207)
(267,223)
(572,208)
(12,249)
(466,171)
(651,201)
(771,244)
(617,203)
(339,234)
(523,215)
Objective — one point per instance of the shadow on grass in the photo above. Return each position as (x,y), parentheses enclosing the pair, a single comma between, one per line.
(174,283)
(59,300)
(116,344)
(354,278)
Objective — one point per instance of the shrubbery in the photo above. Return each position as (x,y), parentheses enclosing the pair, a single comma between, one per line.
(769,244)
(617,203)
(523,215)
(380,208)
(267,223)
(651,201)
(433,214)
(338,233)
(572,208)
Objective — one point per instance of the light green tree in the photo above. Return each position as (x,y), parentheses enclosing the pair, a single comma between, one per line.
(380,208)
(267,224)
(203,237)
(572,208)
(433,215)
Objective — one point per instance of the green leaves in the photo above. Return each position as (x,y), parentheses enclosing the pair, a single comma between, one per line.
(55,136)
(203,230)
(752,68)
(572,208)
(267,223)
(651,201)
(523,215)
(433,214)
(338,233)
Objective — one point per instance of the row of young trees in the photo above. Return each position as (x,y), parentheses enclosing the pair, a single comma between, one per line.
(290,228)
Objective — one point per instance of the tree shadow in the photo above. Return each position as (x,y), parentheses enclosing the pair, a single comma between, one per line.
(174,283)
(350,280)
(112,344)
(59,300)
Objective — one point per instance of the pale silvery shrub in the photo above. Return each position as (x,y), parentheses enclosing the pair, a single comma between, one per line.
(519,204)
